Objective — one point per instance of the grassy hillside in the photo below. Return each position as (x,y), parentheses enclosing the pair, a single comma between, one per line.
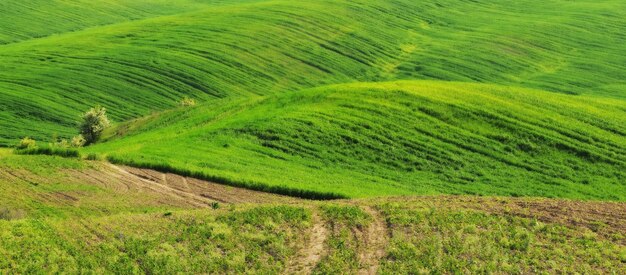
(67,215)
(413,137)
(24,20)
(71,216)
(138,57)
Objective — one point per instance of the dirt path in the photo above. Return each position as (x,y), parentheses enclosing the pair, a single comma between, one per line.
(207,190)
(376,239)
(313,251)
(197,192)
(148,186)
(194,199)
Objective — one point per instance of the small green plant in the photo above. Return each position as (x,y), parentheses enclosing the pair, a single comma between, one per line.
(187,102)
(94,122)
(215,205)
(63,143)
(92,156)
(26,143)
(78,141)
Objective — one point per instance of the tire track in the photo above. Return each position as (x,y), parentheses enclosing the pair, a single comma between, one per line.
(375,242)
(314,249)
(193,199)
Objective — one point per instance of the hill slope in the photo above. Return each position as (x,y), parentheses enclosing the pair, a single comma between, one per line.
(72,216)
(25,20)
(204,50)
(411,137)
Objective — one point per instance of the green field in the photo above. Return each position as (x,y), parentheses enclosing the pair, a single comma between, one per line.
(143,57)
(395,138)
(314,137)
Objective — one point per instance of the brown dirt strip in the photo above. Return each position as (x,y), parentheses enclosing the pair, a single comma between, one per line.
(312,251)
(376,237)
(150,185)
(194,199)
(23,175)
(204,189)
(5,175)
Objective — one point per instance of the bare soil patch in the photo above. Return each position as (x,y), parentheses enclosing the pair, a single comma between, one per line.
(312,251)
(205,189)
(375,239)
(145,185)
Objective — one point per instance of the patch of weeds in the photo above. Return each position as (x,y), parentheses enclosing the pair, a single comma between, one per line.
(597,226)
(346,235)
(349,215)
(92,156)
(11,214)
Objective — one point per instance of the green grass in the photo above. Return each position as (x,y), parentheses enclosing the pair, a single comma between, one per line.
(34,185)
(51,219)
(343,244)
(135,58)
(111,230)
(51,151)
(247,184)
(440,240)
(25,20)
(257,240)
(413,137)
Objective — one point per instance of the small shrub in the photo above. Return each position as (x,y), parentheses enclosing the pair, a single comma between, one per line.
(94,122)
(92,156)
(61,144)
(215,205)
(187,102)
(27,143)
(78,141)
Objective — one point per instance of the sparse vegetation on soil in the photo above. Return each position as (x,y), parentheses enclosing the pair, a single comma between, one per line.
(92,216)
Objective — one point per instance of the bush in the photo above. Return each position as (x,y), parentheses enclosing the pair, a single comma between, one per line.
(61,144)
(78,141)
(94,122)
(50,151)
(27,143)
(92,156)
(187,102)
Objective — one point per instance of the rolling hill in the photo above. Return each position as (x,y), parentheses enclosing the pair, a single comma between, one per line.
(410,137)
(140,57)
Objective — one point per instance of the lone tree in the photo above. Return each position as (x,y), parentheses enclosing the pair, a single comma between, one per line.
(94,122)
